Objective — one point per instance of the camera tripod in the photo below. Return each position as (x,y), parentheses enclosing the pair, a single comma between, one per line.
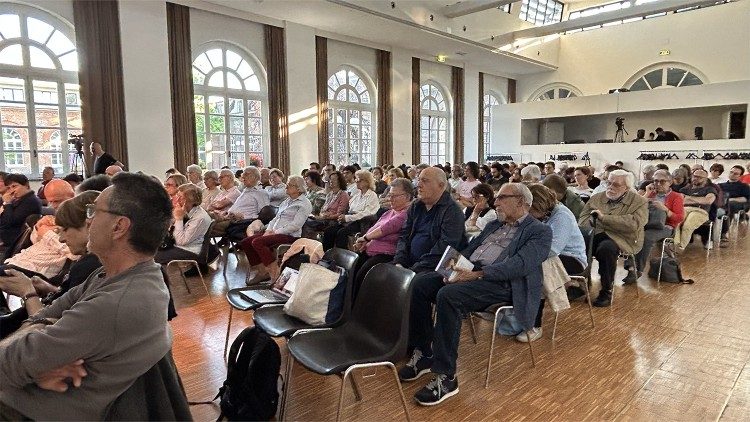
(619,136)
(77,166)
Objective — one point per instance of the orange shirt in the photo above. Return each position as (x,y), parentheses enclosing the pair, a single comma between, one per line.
(745,178)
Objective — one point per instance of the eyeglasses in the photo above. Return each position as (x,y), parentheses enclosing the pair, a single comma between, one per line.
(503,196)
(91,211)
(661,181)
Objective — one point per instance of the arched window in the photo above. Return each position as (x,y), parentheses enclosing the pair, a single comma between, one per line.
(435,141)
(40,104)
(351,119)
(490,99)
(231,108)
(665,75)
(555,91)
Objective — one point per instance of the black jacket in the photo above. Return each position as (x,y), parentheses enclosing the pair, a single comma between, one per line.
(14,217)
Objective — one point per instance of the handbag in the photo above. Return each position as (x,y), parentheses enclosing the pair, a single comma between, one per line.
(656,218)
(169,240)
(670,270)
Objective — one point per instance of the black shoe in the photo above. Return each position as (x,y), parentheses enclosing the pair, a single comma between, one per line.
(192,272)
(603,300)
(632,277)
(440,388)
(575,293)
(417,366)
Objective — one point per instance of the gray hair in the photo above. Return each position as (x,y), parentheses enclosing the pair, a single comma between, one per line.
(531,172)
(523,190)
(629,177)
(251,170)
(195,168)
(404,184)
(211,174)
(664,173)
(227,172)
(648,168)
(297,182)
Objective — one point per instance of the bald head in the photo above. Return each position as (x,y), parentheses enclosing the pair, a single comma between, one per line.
(56,191)
(112,170)
(431,185)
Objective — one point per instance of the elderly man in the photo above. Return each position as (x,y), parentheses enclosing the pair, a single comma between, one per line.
(71,359)
(507,258)
(531,174)
(700,198)
(47,174)
(233,222)
(195,175)
(102,159)
(228,194)
(661,197)
(433,222)
(46,256)
(112,170)
(456,178)
(648,176)
(620,215)
(19,202)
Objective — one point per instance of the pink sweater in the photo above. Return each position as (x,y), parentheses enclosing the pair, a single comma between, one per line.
(390,224)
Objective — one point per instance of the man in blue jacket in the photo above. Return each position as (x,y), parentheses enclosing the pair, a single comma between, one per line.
(507,258)
(433,222)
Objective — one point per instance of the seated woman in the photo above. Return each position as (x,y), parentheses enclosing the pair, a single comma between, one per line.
(378,245)
(171,184)
(392,174)
(484,210)
(315,192)
(286,227)
(364,203)
(380,184)
(277,189)
(335,205)
(73,231)
(463,191)
(572,201)
(211,181)
(190,225)
(581,186)
(567,240)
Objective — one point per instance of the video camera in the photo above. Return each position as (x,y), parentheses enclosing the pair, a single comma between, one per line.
(77,140)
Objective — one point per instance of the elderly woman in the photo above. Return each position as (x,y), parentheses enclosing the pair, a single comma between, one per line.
(567,241)
(195,175)
(315,192)
(378,245)
(72,230)
(277,189)
(336,205)
(211,183)
(171,184)
(286,227)
(190,225)
(364,203)
(581,186)
(484,210)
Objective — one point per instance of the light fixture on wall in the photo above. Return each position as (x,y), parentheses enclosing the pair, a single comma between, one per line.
(441,58)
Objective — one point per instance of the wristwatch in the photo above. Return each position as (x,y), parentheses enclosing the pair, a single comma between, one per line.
(28,296)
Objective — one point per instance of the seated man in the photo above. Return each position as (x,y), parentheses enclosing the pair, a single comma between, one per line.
(736,192)
(46,256)
(19,203)
(73,358)
(661,196)
(700,198)
(228,194)
(433,222)
(621,215)
(508,258)
(234,221)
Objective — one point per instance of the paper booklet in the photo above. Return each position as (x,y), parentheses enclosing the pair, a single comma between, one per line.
(452,258)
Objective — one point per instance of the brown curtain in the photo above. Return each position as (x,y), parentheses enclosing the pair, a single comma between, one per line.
(181,85)
(511,90)
(416,155)
(100,76)
(480,133)
(321,85)
(457,88)
(278,99)
(385,108)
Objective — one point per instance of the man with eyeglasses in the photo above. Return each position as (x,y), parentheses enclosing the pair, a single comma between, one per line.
(507,258)
(233,222)
(662,199)
(700,206)
(738,196)
(73,358)
(228,194)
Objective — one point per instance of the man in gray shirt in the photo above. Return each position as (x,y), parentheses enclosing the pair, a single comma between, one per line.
(75,357)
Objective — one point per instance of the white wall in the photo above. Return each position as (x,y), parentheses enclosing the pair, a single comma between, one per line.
(207,26)
(145,72)
(60,8)
(303,102)
(401,100)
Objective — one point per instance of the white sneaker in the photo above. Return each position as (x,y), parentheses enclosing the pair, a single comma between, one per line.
(534,334)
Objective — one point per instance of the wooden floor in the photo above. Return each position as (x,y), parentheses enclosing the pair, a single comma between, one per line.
(679,352)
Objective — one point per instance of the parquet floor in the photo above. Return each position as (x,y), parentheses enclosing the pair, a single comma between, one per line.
(679,352)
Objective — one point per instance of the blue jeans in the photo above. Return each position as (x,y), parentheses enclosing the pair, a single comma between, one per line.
(452,302)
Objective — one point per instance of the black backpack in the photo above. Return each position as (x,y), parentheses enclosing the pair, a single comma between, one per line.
(670,271)
(251,390)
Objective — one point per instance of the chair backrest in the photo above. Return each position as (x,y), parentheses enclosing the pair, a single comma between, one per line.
(267,213)
(382,306)
(203,256)
(347,260)
(23,242)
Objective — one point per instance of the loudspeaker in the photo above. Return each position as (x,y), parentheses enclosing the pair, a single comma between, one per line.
(698,132)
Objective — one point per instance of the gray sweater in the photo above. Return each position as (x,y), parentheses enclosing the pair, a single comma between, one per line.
(117,325)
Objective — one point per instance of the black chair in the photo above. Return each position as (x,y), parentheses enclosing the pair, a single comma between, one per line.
(377,334)
(267,213)
(22,242)
(205,258)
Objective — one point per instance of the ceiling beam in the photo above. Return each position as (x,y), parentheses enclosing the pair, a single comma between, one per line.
(467,7)
(602,18)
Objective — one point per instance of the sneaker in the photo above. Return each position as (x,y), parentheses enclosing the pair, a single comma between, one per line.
(575,292)
(603,300)
(417,366)
(534,333)
(632,277)
(439,389)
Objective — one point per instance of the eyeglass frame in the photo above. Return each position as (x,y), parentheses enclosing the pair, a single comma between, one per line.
(91,211)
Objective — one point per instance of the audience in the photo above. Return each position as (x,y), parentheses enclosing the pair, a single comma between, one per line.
(19,202)
(364,203)
(699,200)
(549,168)
(717,171)
(171,184)
(189,226)
(648,176)
(314,191)
(456,177)
(336,205)
(73,179)
(463,192)
(680,178)
(736,193)
(508,259)
(497,176)
(581,187)
(97,183)
(277,189)
(265,177)
(227,195)
(195,176)
(380,184)
(484,210)
(433,222)
(746,177)
(233,222)
(348,173)
(531,174)
(378,245)
(620,215)
(211,190)
(47,174)
(286,227)
(74,357)
(570,200)
(112,170)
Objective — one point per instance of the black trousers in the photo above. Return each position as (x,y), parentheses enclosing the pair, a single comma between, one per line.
(175,252)
(338,235)
(606,252)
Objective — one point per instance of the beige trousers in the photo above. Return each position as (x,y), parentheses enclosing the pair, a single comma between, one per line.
(694,218)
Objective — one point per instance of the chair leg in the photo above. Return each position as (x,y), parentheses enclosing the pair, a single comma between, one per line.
(531,349)
(355,387)
(554,328)
(226,262)
(341,396)
(184,280)
(637,290)
(661,260)
(229,326)
(200,274)
(492,346)
(400,390)
(472,328)
(285,392)
(588,300)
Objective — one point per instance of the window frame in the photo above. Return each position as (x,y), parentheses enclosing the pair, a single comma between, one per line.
(434,118)
(541,94)
(487,104)
(549,16)
(640,76)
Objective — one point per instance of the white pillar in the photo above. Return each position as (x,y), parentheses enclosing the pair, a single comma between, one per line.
(303,109)
(401,100)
